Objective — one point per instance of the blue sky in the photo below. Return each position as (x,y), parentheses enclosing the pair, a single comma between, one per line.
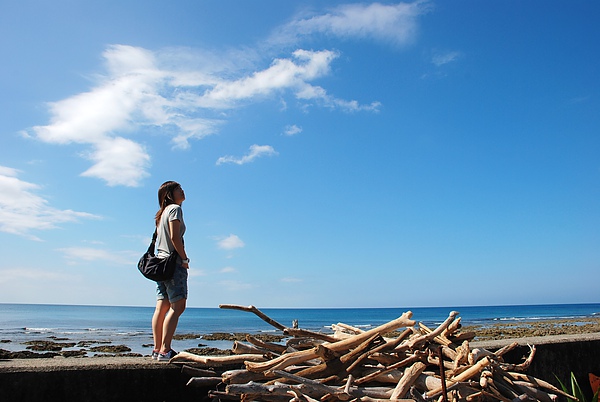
(333,154)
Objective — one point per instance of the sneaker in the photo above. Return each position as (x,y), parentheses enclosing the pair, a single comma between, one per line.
(154,355)
(165,357)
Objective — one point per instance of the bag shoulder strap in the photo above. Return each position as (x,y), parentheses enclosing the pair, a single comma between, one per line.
(152,243)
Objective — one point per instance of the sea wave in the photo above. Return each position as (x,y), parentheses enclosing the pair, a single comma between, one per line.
(39,330)
(131,333)
(540,318)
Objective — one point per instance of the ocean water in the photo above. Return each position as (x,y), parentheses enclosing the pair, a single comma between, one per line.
(130,326)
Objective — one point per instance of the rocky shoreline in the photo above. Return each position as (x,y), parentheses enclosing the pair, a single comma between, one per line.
(53,347)
(528,329)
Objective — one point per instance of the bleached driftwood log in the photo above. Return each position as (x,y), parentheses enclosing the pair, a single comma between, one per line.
(241,348)
(273,347)
(216,361)
(408,379)
(241,376)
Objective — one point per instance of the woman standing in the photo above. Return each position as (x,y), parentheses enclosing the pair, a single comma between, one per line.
(172,294)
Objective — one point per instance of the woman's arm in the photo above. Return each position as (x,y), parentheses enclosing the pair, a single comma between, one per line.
(174,229)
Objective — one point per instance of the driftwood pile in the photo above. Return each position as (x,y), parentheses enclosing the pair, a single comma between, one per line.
(419,364)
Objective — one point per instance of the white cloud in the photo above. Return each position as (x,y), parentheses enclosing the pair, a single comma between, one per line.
(22,211)
(228,270)
(441,58)
(283,74)
(194,272)
(256,151)
(291,280)
(6,171)
(118,161)
(233,286)
(126,98)
(231,242)
(579,99)
(88,254)
(292,130)
(16,275)
(193,128)
(393,23)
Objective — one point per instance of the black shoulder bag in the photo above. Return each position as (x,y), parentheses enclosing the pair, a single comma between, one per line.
(157,269)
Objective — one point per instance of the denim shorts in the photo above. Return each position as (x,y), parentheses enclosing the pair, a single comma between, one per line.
(175,288)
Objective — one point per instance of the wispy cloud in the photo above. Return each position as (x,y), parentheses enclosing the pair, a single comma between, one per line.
(292,130)
(256,151)
(233,286)
(579,99)
(195,272)
(16,275)
(391,23)
(294,73)
(441,58)
(291,280)
(228,270)
(89,254)
(23,211)
(231,242)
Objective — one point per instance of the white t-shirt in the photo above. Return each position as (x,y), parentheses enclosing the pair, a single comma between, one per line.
(164,245)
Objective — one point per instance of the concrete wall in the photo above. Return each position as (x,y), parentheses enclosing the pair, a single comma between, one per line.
(560,359)
(163,382)
(99,384)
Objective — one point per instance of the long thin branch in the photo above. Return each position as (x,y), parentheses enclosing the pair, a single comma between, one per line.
(252,309)
(305,332)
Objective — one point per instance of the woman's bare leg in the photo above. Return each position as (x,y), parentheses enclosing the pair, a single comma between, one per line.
(158,319)
(170,324)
